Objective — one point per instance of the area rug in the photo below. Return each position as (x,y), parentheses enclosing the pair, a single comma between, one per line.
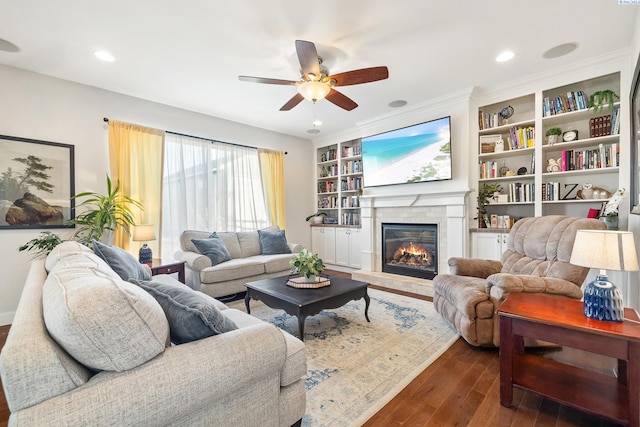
(354,368)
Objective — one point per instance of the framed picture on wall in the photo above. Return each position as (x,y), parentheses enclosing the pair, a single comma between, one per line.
(36,183)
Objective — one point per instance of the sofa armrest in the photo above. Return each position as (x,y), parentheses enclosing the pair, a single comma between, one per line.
(295,247)
(474,267)
(194,260)
(177,383)
(502,284)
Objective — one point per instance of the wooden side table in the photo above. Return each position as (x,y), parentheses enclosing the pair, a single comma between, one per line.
(167,267)
(561,321)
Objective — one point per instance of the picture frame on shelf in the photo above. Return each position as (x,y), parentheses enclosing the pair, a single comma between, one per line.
(36,183)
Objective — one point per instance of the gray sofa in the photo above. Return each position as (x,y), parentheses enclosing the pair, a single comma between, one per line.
(247,262)
(250,376)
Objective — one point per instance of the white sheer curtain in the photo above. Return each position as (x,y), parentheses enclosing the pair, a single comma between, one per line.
(209,186)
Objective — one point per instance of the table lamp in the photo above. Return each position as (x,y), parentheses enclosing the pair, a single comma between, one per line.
(144,233)
(605,250)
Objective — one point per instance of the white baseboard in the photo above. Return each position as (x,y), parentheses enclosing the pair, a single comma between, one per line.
(7,318)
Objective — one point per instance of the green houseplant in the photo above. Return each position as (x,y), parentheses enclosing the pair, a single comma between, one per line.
(306,264)
(553,135)
(317,217)
(41,245)
(598,100)
(103,212)
(484,193)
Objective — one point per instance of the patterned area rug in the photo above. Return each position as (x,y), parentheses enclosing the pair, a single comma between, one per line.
(355,367)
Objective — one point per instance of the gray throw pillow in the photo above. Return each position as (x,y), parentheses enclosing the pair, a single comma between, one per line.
(192,315)
(273,243)
(122,262)
(213,248)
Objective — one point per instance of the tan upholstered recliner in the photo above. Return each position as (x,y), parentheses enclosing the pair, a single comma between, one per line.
(536,261)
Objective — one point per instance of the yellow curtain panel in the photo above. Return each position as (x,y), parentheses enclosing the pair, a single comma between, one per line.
(136,161)
(272,170)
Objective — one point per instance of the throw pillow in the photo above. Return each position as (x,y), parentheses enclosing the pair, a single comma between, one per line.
(103,322)
(192,315)
(121,261)
(213,248)
(273,243)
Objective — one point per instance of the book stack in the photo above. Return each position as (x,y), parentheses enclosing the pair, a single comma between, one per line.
(354,166)
(605,156)
(572,101)
(519,192)
(521,137)
(351,151)
(600,126)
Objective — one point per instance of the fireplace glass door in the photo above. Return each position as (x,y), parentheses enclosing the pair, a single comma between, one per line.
(410,249)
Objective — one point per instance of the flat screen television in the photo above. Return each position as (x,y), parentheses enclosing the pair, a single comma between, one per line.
(417,153)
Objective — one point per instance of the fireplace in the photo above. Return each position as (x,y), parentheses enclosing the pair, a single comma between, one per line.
(410,249)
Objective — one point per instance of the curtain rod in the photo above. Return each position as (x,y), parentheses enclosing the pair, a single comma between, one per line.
(106,120)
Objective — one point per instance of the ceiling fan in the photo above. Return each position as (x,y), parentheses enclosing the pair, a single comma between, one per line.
(315,82)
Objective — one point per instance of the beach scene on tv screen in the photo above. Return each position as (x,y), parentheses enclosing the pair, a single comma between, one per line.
(413,154)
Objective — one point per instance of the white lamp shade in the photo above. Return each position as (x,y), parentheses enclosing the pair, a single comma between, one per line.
(143,233)
(606,250)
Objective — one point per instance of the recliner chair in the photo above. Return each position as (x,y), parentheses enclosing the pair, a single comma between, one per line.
(536,261)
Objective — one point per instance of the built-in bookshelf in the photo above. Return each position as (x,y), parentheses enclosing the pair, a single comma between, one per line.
(340,182)
(512,140)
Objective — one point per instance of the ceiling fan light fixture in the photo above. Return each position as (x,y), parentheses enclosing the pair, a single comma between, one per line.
(314,90)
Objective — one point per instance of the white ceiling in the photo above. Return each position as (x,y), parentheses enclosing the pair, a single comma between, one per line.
(189,54)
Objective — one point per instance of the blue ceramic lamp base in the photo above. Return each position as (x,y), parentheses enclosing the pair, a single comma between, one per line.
(603,301)
(145,256)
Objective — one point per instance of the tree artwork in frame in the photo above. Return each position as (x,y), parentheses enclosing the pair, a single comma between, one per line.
(36,183)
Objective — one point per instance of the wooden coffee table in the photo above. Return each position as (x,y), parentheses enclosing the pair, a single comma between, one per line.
(561,321)
(302,303)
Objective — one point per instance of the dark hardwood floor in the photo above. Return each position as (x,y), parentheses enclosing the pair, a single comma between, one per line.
(461,388)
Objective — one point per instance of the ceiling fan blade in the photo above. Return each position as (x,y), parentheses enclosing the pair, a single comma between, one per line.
(297,98)
(356,77)
(308,57)
(341,100)
(267,80)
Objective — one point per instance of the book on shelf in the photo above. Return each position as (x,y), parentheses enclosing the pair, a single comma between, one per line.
(600,126)
(564,103)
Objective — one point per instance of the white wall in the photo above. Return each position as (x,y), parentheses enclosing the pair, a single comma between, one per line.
(50,109)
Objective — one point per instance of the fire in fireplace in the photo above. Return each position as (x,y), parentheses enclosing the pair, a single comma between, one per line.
(410,249)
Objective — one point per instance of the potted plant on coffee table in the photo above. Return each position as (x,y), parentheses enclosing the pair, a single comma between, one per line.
(307,264)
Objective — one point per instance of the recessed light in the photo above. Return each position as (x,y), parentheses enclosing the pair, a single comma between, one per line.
(505,56)
(104,55)
(560,50)
(317,123)
(7,46)
(398,103)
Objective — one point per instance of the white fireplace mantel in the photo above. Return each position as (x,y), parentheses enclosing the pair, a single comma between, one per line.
(447,209)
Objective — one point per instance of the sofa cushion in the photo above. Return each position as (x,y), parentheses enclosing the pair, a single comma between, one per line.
(214,248)
(102,322)
(295,365)
(121,261)
(275,263)
(273,243)
(74,254)
(62,250)
(249,243)
(192,315)
(231,270)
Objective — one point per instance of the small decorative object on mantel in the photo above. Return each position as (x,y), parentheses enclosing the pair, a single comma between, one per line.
(307,265)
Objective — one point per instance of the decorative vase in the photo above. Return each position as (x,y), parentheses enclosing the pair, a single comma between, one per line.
(310,279)
(552,139)
(611,221)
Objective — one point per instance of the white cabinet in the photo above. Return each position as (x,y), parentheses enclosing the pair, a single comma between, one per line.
(323,242)
(488,245)
(348,247)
